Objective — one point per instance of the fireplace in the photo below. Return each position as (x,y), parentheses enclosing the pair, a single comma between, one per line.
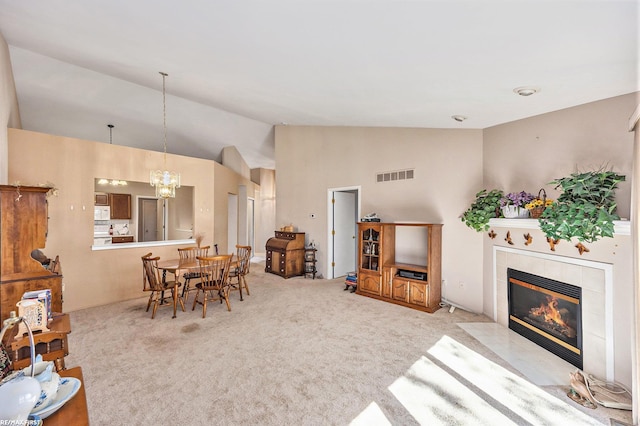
(547,312)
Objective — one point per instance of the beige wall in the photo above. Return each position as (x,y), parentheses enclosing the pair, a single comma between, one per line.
(232,159)
(94,278)
(9,114)
(527,154)
(448,172)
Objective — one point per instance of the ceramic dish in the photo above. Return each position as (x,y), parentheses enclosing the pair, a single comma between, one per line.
(69,386)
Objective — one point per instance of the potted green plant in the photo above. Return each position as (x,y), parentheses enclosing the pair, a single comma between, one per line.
(586,207)
(485,207)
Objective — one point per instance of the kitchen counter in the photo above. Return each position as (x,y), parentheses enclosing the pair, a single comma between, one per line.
(142,244)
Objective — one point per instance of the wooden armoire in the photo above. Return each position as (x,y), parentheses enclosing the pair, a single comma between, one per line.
(23,228)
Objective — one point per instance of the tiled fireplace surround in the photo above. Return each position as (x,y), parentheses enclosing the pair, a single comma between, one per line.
(595,277)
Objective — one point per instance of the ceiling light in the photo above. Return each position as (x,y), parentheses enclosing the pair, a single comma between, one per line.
(165,181)
(459,118)
(526,90)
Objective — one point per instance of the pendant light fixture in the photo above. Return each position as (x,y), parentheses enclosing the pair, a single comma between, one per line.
(110,126)
(165,181)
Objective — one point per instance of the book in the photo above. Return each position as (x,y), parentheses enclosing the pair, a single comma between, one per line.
(44,297)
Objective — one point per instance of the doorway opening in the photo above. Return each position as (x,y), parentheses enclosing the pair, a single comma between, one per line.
(343,214)
(150,219)
(251,233)
(232,224)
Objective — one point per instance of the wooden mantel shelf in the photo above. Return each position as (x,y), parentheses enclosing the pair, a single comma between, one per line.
(621,227)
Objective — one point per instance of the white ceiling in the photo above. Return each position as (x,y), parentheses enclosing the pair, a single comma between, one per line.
(237,67)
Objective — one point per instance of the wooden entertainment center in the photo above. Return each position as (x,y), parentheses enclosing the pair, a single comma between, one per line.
(384,275)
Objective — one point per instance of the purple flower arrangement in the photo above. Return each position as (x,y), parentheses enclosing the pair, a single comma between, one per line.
(518,199)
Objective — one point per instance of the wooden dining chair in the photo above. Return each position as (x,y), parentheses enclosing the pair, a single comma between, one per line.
(214,281)
(189,255)
(238,274)
(152,281)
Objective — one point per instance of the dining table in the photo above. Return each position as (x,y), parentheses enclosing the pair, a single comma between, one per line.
(173,266)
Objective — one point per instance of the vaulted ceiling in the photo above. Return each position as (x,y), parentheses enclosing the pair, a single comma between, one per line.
(238,67)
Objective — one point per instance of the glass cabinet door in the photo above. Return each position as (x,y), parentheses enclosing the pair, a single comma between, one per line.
(370,243)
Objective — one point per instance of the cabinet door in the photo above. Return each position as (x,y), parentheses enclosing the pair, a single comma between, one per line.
(369,243)
(101,199)
(387,282)
(369,284)
(120,206)
(118,240)
(418,293)
(399,289)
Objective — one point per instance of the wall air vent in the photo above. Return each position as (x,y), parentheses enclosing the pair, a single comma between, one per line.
(394,175)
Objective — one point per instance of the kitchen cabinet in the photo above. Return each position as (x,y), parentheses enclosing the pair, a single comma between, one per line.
(120,206)
(122,239)
(101,199)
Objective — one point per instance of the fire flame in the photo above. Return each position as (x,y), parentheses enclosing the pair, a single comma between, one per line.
(550,311)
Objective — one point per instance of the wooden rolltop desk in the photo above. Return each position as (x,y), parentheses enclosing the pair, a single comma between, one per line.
(23,228)
(285,254)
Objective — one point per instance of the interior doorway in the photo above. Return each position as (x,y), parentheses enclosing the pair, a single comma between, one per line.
(148,219)
(251,238)
(232,225)
(344,210)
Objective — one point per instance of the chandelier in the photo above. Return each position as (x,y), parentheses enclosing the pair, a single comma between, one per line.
(165,181)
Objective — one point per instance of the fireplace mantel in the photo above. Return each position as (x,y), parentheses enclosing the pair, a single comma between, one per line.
(621,227)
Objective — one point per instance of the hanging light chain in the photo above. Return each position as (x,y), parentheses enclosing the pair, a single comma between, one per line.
(110,126)
(164,181)
(164,116)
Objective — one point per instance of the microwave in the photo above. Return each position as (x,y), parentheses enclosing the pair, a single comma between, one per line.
(101,213)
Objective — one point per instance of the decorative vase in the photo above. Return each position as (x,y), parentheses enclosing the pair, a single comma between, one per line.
(512,212)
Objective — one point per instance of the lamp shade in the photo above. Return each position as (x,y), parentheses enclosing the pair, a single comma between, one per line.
(165,183)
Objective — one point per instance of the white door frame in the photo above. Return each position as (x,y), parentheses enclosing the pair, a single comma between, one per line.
(232,223)
(330,192)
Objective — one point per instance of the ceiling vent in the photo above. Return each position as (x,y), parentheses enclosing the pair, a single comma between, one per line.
(395,175)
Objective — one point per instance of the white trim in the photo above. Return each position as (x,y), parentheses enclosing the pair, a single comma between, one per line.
(635,117)
(620,227)
(330,192)
(143,244)
(607,268)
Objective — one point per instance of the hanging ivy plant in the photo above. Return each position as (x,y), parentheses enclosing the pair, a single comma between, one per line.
(586,207)
(482,209)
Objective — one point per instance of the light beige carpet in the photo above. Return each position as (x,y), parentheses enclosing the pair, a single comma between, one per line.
(301,352)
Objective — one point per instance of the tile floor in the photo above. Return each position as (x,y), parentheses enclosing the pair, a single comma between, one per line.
(540,366)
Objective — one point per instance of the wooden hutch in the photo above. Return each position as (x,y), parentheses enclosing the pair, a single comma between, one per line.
(23,227)
(382,276)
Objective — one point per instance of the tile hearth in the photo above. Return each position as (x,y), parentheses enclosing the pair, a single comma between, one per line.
(538,365)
